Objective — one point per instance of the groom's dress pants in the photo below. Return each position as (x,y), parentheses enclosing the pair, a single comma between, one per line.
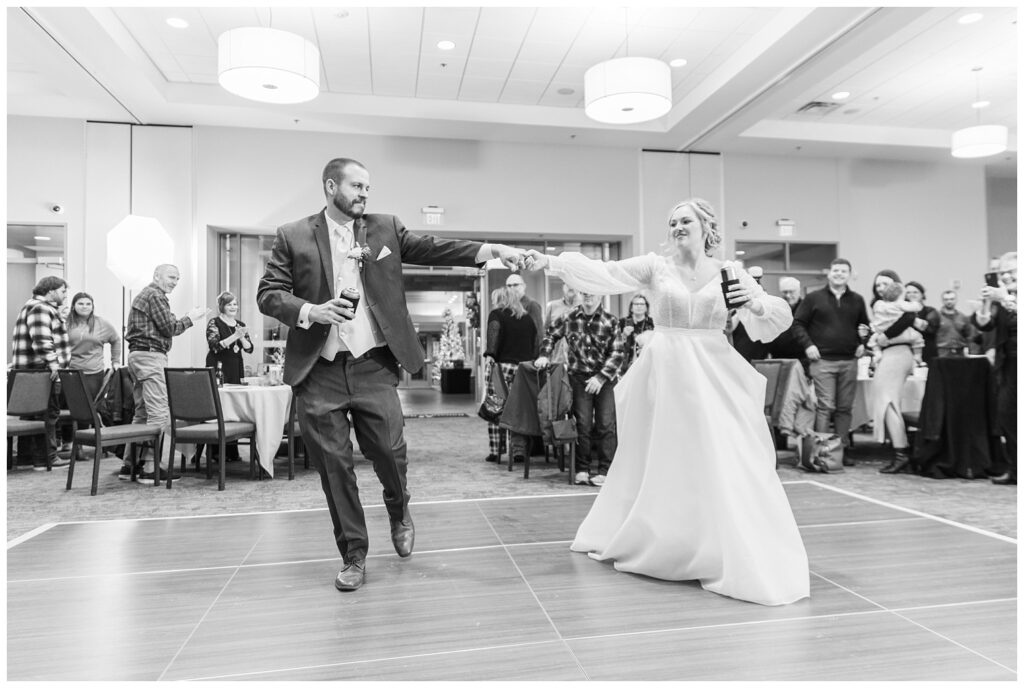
(364,388)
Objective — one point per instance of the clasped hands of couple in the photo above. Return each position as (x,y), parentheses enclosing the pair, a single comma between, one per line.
(339,310)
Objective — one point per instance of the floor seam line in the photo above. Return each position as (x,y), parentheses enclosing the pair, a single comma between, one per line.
(209,608)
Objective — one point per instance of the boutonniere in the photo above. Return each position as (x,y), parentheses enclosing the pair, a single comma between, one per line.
(359,254)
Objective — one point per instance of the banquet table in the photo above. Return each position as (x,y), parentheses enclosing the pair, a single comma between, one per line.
(267,407)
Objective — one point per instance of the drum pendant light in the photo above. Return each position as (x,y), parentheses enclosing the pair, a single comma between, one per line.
(268,65)
(980,140)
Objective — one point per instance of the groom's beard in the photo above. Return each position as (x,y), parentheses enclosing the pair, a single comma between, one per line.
(347,207)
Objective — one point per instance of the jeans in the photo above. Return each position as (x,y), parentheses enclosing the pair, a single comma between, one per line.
(835,384)
(597,439)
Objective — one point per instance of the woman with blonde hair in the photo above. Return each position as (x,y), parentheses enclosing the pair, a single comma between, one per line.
(692,493)
(511,338)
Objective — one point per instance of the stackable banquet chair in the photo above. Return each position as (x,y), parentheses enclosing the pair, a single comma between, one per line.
(193,399)
(82,407)
(28,394)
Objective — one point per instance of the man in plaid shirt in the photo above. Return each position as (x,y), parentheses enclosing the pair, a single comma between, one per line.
(151,326)
(40,342)
(594,365)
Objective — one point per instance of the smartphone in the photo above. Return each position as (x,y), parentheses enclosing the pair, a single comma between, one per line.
(992,279)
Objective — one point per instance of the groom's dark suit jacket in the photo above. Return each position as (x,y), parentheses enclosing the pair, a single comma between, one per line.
(301,270)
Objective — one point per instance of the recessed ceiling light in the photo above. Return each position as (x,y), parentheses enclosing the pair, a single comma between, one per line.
(840,95)
(980,104)
(446,45)
(177,23)
(41,238)
(678,62)
(970,18)
(566,91)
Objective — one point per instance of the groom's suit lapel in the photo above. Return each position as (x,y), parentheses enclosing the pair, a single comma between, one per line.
(323,244)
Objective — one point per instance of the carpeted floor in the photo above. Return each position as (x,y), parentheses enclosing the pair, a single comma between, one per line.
(445,462)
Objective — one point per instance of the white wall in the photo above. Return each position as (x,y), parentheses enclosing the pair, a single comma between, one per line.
(925,221)
(261,179)
(1001,195)
(928,222)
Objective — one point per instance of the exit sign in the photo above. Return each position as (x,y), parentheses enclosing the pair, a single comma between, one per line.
(433,218)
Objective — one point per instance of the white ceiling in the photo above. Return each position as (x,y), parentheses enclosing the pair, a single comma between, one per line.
(516,73)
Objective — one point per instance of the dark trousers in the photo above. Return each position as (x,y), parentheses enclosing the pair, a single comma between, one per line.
(38,447)
(364,388)
(597,439)
(1006,416)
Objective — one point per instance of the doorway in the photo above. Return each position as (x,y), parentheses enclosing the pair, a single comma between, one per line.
(33,252)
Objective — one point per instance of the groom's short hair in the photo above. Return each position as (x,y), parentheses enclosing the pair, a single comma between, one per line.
(335,168)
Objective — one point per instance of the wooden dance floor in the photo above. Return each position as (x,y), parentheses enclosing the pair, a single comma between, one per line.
(493,593)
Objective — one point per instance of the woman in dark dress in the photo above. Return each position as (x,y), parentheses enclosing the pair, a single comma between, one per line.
(927,322)
(228,338)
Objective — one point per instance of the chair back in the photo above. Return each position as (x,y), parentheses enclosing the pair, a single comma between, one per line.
(80,402)
(28,392)
(772,371)
(192,394)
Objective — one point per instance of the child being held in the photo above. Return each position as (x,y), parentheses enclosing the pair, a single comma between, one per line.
(885,312)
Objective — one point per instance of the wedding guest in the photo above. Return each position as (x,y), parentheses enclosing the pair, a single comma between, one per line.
(40,342)
(151,328)
(90,336)
(895,364)
(786,344)
(593,368)
(826,326)
(511,339)
(518,286)
(888,306)
(998,314)
(556,309)
(955,332)
(693,492)
(227,338)
(927,321)
(631,337)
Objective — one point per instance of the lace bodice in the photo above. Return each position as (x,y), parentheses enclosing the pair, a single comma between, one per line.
(673,304)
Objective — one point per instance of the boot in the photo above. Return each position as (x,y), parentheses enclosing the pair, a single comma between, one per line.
(899,463)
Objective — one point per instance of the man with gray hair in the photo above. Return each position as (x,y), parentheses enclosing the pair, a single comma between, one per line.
(151,326)
(786,344)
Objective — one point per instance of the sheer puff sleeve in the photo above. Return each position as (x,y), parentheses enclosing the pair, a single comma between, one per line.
(777,315)
(597,277)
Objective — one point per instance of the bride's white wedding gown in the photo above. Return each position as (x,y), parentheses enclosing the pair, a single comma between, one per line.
(692,493)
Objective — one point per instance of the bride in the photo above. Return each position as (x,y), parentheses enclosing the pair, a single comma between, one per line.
(692,493)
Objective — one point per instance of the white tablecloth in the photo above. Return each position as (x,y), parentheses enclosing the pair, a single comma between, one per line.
(910,400)
(267,407)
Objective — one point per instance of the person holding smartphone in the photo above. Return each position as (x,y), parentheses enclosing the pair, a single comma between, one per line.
(998,313)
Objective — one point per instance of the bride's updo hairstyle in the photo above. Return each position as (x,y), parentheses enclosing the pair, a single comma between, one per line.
(708,223)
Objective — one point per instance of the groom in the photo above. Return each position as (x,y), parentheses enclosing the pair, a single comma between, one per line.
(342,358)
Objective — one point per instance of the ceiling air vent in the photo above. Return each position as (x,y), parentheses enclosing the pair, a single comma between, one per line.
(818,107)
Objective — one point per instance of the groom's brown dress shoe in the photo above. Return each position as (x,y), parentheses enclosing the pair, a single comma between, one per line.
(352,576)
(403,534)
